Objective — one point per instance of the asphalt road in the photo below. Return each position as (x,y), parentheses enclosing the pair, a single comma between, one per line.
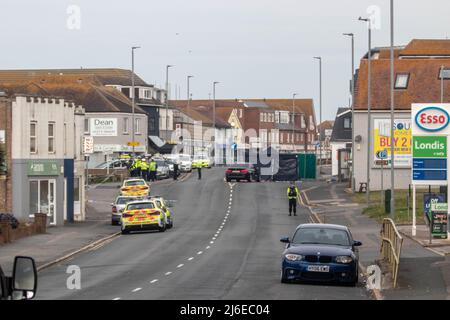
(224,245)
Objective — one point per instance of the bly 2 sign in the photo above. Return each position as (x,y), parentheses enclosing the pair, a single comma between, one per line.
(431,119)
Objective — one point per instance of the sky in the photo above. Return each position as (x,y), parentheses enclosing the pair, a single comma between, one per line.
(254,48)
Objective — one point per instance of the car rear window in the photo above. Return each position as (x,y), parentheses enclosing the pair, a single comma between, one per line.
(141,206)
(135,183)
(323,236)
(123,200)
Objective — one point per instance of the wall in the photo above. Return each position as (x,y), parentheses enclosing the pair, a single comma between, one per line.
(402,176)
(6,181)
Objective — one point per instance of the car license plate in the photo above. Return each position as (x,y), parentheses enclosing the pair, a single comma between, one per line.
(318,268)
(236,172)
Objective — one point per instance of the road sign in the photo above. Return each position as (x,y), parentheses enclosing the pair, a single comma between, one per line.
(133,144)
(439,221)
(88,145)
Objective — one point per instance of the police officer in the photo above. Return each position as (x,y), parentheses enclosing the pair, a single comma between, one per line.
(175,171)
(144,169)
(152,169)
(138,168)
(199,170)
(292,193)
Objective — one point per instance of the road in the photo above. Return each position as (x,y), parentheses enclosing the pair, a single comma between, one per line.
(225,245)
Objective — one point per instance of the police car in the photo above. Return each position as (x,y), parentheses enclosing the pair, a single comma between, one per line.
(143,215)
(135,188)
(164,205)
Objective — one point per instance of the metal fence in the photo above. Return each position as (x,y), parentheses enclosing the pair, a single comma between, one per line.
(391,247)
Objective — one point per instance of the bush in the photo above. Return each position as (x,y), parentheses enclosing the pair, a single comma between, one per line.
(9,218)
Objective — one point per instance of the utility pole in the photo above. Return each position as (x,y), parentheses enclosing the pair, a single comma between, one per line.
(167,101)
(369,101)
(353,108)
(392,204)
(188,109)
(214,117)
(320,113)
(293,122)
(133,101)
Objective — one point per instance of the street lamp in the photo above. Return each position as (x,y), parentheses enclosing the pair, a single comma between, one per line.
(132,100)
(293,121)
(353,107)
(214,115)
(188,108)
(369,100)
(320,112)
(167,101)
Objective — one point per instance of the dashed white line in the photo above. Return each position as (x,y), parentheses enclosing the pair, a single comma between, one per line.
(191,258)
(180,265)
(168,273)
(208,247)
(154,280)
(214,238)
(211,242)
(115,299)
(137,289)
(200,252)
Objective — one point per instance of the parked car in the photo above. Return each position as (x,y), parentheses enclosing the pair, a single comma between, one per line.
(184,162)
(320,252)
(238,174)
(114,164)
(162,171)
(117,208)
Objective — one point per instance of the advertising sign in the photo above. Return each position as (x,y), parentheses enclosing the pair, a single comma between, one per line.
(103,127)
(88,145)
(430,158)
(402,138)
(430,199)
(43,168)
(439,220)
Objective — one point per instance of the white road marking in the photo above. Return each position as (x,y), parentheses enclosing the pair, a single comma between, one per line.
(115,299)
(180,265)
(211,242)
(208,247)
(200,252)
(214,238)
(168,273)
(191,258)
(137,289)
(154,280)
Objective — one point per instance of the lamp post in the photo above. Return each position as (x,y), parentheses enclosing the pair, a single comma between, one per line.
(392,204)
(167,101)
(353,108)
(369,101)
(214,117)
(320,112)
(293,121)
(188,108)
(132,100)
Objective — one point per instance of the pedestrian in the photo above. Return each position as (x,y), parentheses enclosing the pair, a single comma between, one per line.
(257,173)
(199,170)
(137,172)
(153,167)
(144,169)
(292,193)
(175,171)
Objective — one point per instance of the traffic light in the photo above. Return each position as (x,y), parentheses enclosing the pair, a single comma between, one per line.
(3,167)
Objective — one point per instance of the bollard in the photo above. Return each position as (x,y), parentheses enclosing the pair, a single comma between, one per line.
(40,220)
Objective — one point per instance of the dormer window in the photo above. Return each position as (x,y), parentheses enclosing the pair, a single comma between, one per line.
(401,82)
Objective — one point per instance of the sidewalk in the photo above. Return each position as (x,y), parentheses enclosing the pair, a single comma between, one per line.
(423,274)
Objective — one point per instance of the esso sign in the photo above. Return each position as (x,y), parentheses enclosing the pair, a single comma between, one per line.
(432,119)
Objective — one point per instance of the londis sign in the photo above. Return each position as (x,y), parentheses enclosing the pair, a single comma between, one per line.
(431,119)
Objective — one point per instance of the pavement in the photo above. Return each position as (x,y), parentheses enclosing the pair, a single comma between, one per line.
(224,245)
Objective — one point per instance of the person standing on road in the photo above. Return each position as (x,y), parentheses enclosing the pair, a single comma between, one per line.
(144,170)
(153,168)
(292,193)
(199,170)
(175,171)
(138,168)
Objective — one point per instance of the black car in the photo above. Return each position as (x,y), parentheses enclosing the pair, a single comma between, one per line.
(238,174)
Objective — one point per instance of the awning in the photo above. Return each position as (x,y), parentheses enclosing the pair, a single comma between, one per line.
(160,145)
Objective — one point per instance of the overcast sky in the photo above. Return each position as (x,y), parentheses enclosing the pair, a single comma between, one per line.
(255,48)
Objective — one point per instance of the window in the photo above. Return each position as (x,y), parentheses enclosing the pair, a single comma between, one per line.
(264,117)
(282,138)
(284,117)
(86,125)
(125,125)
(33,137)
(147,94)
(261,119)
(51,137)
(445,73)
(137,126)
(277,117)
(303,124)
(347,123)
(401,81)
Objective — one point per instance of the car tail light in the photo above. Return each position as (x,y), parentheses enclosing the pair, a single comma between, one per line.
(127,215)
(114,209)
(245,171)
(228,171)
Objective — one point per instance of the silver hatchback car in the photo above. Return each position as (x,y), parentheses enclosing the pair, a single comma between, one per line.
(118,206)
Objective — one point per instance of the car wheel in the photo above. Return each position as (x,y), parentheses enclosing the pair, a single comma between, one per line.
(228,180)
(238,180)
(282,278)
(114,223)
(125,231)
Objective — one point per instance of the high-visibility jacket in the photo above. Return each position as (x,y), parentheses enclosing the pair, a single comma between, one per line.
(152,166)
(144,165)
(294,191)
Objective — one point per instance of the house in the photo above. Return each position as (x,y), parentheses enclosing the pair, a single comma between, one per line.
(419,68)
(44,161)
(340,144)
(325,132)
(108,117)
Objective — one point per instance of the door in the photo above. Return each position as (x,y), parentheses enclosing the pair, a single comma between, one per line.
(42,198)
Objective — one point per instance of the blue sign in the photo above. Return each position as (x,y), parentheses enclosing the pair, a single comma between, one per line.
(430,198)
(438,164)
(382,154)
(430,175)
